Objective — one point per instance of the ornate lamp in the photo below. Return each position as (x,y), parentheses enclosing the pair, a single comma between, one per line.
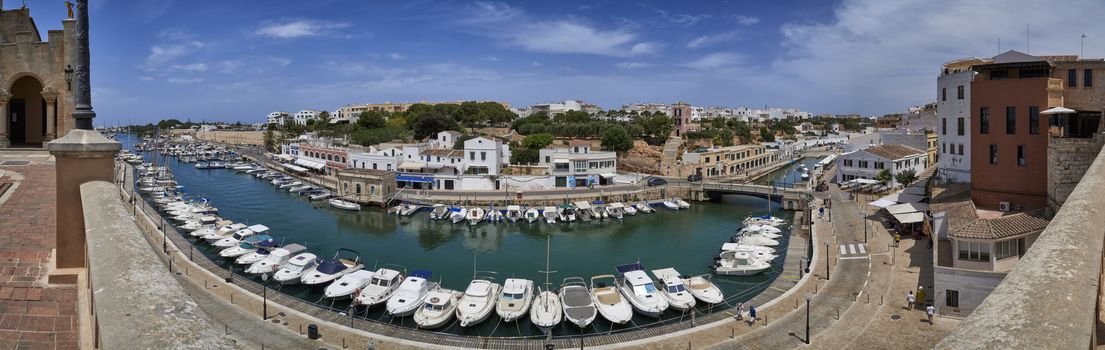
(69,77)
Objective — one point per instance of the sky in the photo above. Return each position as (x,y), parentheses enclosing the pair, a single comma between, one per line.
(240,60)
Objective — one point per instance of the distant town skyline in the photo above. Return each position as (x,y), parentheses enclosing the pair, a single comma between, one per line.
(231,61)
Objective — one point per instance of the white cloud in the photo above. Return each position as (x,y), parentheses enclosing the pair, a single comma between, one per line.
(709,40)
(535,64)
(633,65)
(715,61)
(191,67)
(288,29)
(568,35)
(746,20)
(161,54)
(396,56)
(185,80)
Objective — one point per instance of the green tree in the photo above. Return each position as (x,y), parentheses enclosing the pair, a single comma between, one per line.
(766,135)
(658,126)
(884,176)
(906,177)
(270,139)
(537,141)
(616,139)
(459,145)
(431,123)
(372,119)
(523,155)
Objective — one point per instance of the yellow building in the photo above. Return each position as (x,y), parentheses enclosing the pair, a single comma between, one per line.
(714,162)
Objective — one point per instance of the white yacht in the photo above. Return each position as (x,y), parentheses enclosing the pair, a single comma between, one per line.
(513,213)
(383,285)
(344,205)
(682,203)
(438,309)
(514,301)
(532,214)
(734,263)
(478,301)
(579,307)
(263,250)
(546,311)
(411,293)
(756,240)
(475,215)
(349,285)
(549,213)
(458,215)
(609,301)
(440,211)
(493,215)
(639,290)
(222,232)
(211,229)
(240,235)
(704,290)
(615,210)
(276,259)
(630,210)
(291,272)
(331,269)
(764,220)
(671,205)
(674,290)
(644,207)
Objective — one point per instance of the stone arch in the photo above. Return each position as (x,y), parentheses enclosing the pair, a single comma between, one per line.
(25,115)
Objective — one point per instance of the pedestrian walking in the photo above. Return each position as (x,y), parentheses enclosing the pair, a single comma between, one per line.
(920,295)
(930,310)
(897,239)
(751,315)
(910,299)
(740,311)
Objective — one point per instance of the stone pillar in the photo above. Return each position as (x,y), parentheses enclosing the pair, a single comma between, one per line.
(5,119)
(50,96)
(82,156)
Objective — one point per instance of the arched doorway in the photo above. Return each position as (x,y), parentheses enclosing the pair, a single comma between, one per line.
(26,112)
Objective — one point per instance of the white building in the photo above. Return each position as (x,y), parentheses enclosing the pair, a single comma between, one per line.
(557,107)
(697,113)
(445,139)
(484,156)
(576,165)
(641,108)
(376,159)
(278,118)
(953,110)
(303,116)
(868,162)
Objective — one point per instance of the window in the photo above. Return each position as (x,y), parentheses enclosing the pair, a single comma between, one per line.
(1010,120)
(1020,155)
(984,120)
(357,188)
(944,148)
(959,93)
(1034,120)
(1072,77)
(472,155)
(880,165)
(993,154)
(1008,248)
(974,251)
(960,127)
(999,74)
(961,149)
(943,94)
(951,298)
(943,126)
(483,155)
(1087,78)
(1035,73)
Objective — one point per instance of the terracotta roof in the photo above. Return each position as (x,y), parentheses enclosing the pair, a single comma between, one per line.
(578,142)
(963,220)
(893,152)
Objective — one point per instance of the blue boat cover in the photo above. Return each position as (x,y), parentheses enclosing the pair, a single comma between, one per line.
(598,201)
(262,251)
(630,267)
(331,267)
(424,274)
(268,243)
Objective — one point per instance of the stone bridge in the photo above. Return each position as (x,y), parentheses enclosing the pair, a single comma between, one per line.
(788,198)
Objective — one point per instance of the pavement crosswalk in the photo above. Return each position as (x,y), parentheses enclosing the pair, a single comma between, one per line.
(857,250)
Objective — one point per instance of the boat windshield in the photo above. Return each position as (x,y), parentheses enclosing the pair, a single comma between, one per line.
(644,289)
(676,288)
(434,307)
(237,236)
(296,267)
(380,282)
(512,296)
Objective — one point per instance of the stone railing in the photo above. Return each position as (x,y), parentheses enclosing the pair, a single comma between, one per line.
(1050,300)
(138,304)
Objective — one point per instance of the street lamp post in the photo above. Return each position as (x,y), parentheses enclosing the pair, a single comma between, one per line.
(808,297)
(865,224)
(826,259)
(264,297)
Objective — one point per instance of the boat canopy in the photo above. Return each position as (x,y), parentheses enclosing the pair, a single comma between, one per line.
(583,205)
(478,288)
(617,205)
(622,269)
(637,278)
(597,201)
(331,267)
(515,285)
(666,274)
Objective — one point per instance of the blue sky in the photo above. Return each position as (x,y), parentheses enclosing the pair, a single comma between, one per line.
(239,60)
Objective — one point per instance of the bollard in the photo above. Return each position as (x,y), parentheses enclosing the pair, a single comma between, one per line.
(838,313)
(796,304)
(226,329)
(765,320)
(170,265)
(868,298)
(732,333)
(231,298)
(204,284)
(880,300)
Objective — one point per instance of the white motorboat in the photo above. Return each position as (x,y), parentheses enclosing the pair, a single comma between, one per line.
(440,211)
(514,301)
(762,229)
(344,205)
(565,213)
(546,311)
(299,264)
(383,285)
(513,213)
(629,210)
(475,215)
(438,309)
(756,232)
(701,288)
(609,301)
(757,240)
(532,214)
(734,263)
(478,301)
(331,269)
(644,208)
(222,232)
(639,290)
(349,285)
(408,209)
(671,205)
(262,251)
(764,220)
(411,293)
(458,215)
(747,247)
(493,215)
(210,229)
(579,307)
(239,235)
(299,189)
(682,203)
(276,259)
(290,184)
(549,213)
(320,196)
(674,290)
(615,210)
(583,210)
(194,225)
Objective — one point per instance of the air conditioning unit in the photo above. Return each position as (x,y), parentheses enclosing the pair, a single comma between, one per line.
(1003,206)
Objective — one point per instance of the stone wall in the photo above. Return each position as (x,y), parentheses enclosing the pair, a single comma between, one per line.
(1067,160)
(256,138)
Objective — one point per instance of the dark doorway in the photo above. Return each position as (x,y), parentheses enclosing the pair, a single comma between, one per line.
(19,121)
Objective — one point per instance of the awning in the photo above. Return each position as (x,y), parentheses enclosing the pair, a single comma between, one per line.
(882,203)
(903,198)
(294,168)
(1058,110)
(609,175)
(866,181)
(413,178)
(901,209)
(310,164)
(908,218)
(412,166)
(565,161)
(286,157)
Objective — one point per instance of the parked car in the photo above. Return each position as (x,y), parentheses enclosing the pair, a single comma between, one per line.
(694,177)
(653,182)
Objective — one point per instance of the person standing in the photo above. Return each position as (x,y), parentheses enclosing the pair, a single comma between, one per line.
(740,311)
(930,310)
(897,239)
(909,300)
(751,315)
(920,296)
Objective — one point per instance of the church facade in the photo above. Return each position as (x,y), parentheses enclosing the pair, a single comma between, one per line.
(36,101)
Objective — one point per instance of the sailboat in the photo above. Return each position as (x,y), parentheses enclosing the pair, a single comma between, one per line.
(546,312)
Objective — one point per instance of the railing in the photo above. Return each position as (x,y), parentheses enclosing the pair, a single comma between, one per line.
(1050,300)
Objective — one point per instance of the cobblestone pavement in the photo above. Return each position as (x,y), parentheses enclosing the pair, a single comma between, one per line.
(33,314)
